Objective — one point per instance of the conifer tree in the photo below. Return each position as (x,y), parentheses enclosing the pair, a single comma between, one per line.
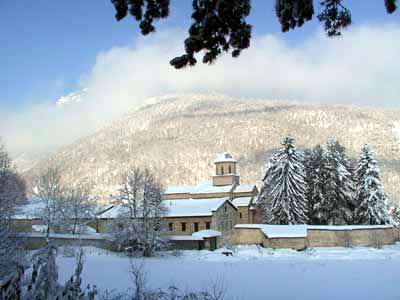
(316,169)
(395,214)
(283,194)
(219,26)
(373,207)
(330,181)
(343,205)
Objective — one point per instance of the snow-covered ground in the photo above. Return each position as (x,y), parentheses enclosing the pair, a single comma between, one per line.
(255,273)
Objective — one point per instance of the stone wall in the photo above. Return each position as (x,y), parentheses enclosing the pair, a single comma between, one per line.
(25,225)
(224,220)
(244,215)
(348,238)
(368,236)
(37,241)
(190,226)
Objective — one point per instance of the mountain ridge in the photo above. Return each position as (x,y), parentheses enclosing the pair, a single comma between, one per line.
(178,136)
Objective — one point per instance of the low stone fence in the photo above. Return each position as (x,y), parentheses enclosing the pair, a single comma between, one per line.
(33,241)
(302,236)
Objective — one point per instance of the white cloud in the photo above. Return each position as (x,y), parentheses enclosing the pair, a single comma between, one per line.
(360,68)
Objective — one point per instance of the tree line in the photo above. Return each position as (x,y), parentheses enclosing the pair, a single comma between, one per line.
(321,186)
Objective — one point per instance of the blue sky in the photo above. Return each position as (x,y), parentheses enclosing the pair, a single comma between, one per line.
(52,48)
(46,46)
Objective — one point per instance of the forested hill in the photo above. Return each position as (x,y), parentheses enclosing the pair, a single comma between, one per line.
(179,136)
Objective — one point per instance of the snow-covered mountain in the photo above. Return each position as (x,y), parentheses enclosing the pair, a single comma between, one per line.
(178,136)
(72,98)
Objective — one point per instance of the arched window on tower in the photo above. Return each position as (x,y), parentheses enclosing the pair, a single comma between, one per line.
(222,170)
(230,170)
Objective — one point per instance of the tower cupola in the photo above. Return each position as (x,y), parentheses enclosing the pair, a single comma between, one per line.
(225,170)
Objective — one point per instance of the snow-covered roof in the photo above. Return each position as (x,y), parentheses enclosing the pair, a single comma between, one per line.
(224,157)
(242,201)
(184,238)
(207,233)
(205,187)
(193,207)
(346,227)
(300,231)
(183,189)
(279,231)
(112,212)
(244,188)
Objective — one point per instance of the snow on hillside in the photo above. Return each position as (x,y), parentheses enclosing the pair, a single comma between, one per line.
(254,273)
(71,98)
(178,136)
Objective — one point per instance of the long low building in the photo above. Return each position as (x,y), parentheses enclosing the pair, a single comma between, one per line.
(218,204)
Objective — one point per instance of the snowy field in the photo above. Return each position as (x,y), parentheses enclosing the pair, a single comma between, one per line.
(255,273)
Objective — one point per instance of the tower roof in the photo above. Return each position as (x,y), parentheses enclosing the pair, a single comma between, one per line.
(224,157)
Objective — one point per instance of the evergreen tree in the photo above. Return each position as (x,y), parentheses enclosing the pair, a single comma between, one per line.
(343,205)
(373,207)
(283,193)
(221,25)
(331,185)
(316,169)
(395,214)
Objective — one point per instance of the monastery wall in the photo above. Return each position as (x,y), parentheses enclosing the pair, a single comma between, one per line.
(373,236)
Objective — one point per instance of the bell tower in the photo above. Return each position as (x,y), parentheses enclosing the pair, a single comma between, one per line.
(225,170)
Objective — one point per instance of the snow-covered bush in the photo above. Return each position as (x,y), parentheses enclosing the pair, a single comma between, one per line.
(43,280)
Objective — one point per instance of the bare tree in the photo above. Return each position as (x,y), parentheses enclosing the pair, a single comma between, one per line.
(48,188)
(12,192)
(139,225)
(77,207)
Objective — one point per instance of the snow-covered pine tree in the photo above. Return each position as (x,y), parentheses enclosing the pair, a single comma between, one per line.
(373,205)
(330,181)
(395,214)
(283,192)
(342,201)
(316,169)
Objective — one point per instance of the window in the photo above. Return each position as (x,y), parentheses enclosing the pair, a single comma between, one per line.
(183,226)
(222,170)
(196,227)
(208,225)
(225,208)
(171,226)
(240,215)
(230,170)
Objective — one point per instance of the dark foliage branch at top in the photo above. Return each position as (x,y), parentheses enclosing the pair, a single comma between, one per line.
(220,25)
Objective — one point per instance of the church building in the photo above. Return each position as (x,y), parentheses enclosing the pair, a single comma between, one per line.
(218,204)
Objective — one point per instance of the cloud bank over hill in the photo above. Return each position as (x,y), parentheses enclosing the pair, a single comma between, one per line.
(360,68)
